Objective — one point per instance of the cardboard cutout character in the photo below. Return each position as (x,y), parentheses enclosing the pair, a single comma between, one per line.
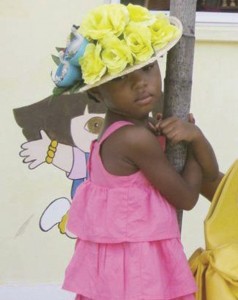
(73,121)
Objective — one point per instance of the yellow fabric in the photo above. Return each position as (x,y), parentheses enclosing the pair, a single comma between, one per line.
(216,268)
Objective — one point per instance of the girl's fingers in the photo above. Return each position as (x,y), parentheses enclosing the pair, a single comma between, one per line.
(191,118)
(167,122)
(154,128)
(159,116)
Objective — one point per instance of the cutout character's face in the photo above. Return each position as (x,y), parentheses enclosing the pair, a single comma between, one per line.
(85,128)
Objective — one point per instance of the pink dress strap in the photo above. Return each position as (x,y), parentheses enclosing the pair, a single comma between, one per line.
(113,127)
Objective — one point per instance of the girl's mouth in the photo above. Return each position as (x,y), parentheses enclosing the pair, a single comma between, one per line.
(144,99)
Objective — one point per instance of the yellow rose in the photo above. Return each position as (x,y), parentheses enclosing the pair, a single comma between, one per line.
(162,32)
(139,14)
(91,64)
(116,54)
(103,20)
(138,39)
(119,18)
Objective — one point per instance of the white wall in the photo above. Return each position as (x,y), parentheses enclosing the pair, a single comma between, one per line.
(32,262)
(215,106)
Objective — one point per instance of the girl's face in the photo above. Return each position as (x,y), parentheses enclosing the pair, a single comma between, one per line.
(133,95)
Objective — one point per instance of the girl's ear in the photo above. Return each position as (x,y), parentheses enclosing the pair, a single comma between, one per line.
(95,94)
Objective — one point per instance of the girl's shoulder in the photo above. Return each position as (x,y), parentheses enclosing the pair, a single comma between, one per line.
(123,150)
(131,133)
(129,140)
(118,145)
(121,128)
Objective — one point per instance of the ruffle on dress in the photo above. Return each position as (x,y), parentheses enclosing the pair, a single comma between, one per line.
(130,271)
(123,214)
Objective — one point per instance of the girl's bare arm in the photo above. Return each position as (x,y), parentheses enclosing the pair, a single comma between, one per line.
(209,187)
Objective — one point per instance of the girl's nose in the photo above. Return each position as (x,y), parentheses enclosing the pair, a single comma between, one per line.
(138,79)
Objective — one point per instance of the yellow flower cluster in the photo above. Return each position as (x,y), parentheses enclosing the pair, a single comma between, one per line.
(121,36)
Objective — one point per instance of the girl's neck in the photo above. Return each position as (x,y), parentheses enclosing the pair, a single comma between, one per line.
(112,117)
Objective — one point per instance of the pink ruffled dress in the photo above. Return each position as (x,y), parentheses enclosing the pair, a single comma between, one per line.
(128,245)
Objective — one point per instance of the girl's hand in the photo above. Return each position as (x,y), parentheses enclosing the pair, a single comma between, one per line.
(154,125)
(177,130)
(191,118)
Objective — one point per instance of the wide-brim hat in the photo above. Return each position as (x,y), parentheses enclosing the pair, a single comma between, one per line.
(126,39)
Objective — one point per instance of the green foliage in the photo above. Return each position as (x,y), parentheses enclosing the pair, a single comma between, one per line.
(56,59)
(59,49)
(57,91)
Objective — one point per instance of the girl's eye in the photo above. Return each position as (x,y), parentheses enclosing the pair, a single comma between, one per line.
(148,67)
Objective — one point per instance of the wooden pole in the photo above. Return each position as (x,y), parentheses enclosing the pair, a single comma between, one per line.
(178,79)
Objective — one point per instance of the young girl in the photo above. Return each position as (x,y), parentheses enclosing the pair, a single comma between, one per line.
(124,215)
